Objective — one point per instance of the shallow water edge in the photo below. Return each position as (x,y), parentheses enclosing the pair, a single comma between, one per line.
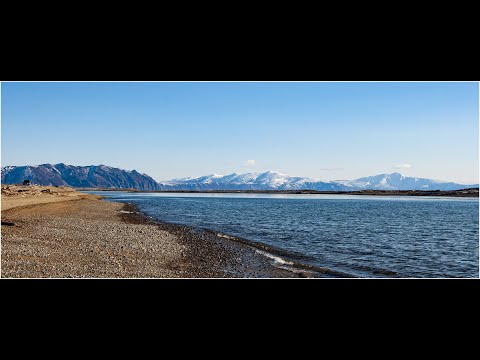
(273,262)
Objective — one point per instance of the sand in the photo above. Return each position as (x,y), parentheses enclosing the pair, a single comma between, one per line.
(15,195)
(62,233)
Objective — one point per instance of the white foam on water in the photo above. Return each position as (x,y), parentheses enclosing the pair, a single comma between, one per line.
(276,259)
(225,236)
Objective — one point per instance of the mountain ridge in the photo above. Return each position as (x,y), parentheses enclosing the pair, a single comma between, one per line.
(103,176)
(273,180)
(78,176)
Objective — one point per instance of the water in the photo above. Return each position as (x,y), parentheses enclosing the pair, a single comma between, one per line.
(364,236)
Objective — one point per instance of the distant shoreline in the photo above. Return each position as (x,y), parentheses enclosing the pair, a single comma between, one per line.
(468,192)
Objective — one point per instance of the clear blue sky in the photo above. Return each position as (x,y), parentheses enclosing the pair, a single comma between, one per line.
(323,130)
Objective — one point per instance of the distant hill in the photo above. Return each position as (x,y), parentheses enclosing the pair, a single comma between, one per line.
(272,180)
(78,176)
(397,181)
(102,176)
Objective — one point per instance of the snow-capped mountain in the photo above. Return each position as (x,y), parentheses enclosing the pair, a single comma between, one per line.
(272,180)
(397,181)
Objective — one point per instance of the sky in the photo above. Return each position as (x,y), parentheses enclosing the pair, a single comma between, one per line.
(324,130)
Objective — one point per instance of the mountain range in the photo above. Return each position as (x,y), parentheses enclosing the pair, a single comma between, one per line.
(103,176)
(272,180)
(100,176)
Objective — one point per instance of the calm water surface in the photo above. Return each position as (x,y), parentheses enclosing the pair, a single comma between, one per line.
(365,236)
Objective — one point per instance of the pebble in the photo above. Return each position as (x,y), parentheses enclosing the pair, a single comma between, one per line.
(93,238)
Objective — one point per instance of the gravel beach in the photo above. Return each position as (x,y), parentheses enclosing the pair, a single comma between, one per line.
(90,238)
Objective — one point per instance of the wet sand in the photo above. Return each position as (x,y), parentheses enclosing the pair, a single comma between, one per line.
(82,236)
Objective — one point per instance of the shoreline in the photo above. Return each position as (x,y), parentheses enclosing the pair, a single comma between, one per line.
(285,260)
(467,192)
(92,238)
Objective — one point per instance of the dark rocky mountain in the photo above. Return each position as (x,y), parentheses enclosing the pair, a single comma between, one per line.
(100,176)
